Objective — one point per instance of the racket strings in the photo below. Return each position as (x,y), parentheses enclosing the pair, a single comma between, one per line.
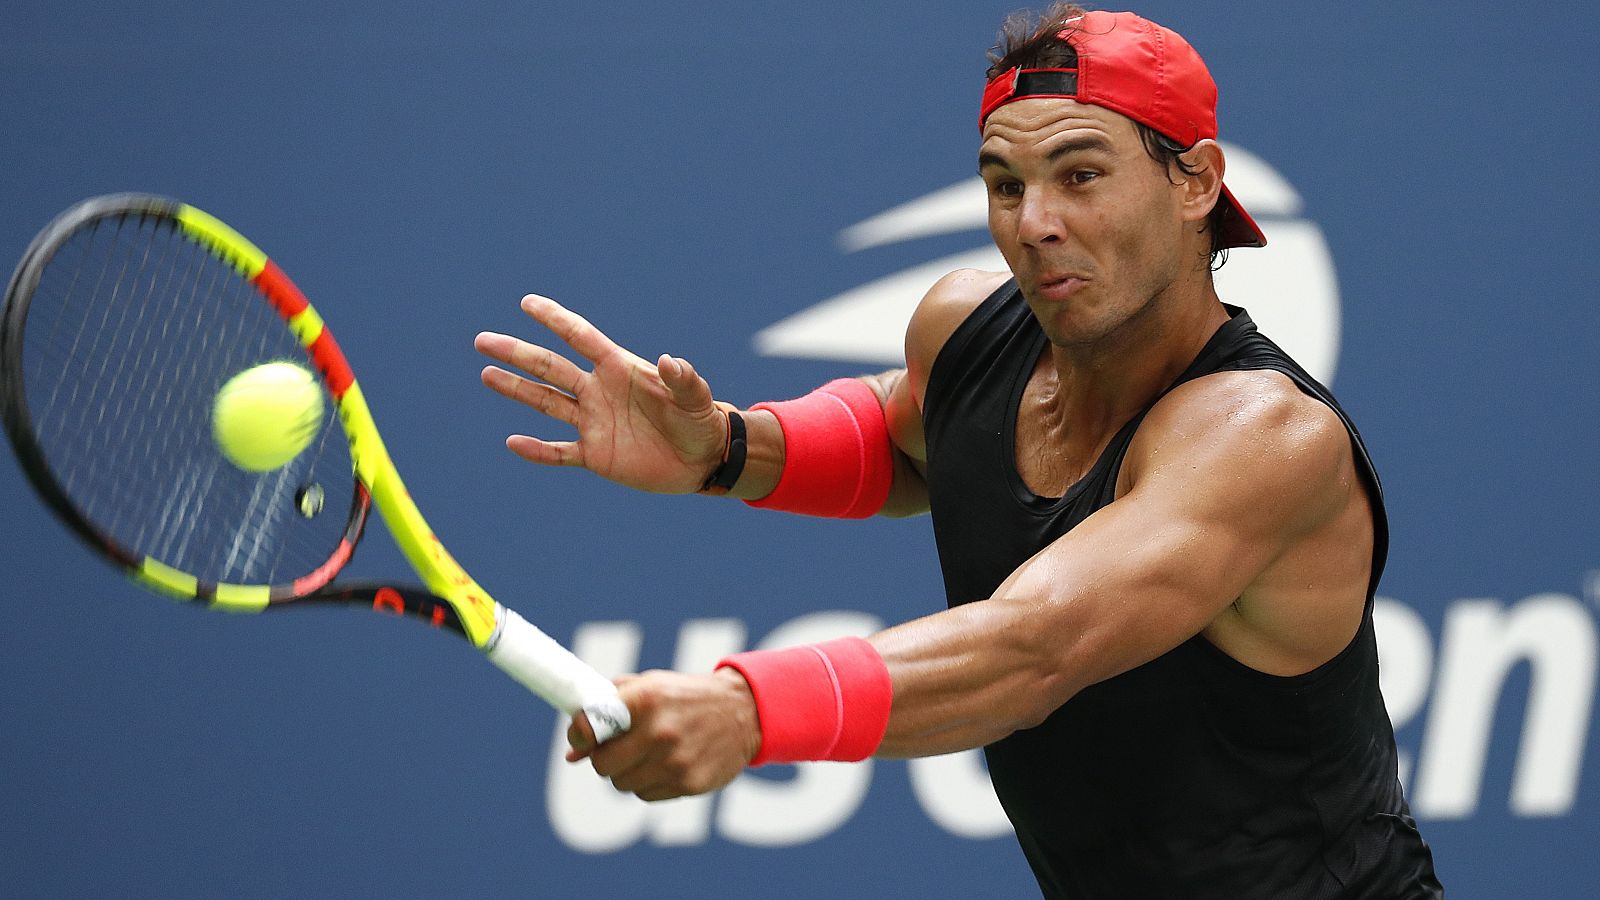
(131,332)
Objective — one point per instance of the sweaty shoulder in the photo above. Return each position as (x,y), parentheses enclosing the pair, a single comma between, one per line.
(1254,434)
(1248,463)
(946,305)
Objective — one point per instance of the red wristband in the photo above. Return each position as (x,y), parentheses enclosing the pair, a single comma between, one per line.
(827,701)
(838,460)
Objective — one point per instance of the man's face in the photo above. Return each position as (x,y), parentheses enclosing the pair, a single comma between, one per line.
(1091,225)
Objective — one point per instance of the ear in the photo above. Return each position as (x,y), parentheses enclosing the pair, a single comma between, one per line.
(1202,189)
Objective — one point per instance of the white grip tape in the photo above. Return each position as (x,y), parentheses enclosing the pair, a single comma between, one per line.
(550,670)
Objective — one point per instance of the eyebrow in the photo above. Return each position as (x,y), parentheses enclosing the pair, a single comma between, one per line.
(1089,142)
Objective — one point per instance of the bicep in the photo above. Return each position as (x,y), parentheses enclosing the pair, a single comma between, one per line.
(1210,508)
(1217,493)
(1133,581)
(1127,584)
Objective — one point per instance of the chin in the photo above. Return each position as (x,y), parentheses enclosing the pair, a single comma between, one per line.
(1078,313)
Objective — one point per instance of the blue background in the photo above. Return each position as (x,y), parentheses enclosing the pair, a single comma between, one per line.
(679,176)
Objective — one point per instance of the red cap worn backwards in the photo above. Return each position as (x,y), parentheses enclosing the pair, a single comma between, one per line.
(1148,73)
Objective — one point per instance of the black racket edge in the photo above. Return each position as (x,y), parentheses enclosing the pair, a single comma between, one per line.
(13,397)
(392,599)
(380,596)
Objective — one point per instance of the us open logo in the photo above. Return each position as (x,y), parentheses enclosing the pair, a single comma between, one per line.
(1288,286)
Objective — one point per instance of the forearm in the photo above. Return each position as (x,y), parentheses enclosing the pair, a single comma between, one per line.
(952,681)
(974,674)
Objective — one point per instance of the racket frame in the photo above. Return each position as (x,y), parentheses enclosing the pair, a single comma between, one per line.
(452,600)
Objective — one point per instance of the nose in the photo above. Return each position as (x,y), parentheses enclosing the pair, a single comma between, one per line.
(1037,224)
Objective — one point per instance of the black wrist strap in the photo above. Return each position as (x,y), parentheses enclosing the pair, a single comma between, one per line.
(725,475)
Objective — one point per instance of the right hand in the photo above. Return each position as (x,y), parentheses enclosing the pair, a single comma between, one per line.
(649,427)
(691,734)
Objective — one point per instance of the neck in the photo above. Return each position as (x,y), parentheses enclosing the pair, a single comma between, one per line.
(1092,389)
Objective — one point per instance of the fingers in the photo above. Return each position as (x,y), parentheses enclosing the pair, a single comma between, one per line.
(632,766)
(545,453)
(572,328)
(638,766)
(580,738)
(580,734)
(546,365)
(689,391)
(690,734)
(542,397)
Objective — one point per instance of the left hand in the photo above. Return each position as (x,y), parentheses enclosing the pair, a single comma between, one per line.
(691,734)
(648,426)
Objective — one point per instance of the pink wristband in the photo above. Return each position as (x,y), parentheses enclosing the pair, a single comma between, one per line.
(838,460)
(820,701)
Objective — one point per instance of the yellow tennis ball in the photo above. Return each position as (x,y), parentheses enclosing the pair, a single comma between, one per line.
(264,416)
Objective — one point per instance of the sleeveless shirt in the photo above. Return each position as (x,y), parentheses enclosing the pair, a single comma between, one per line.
(1192,775)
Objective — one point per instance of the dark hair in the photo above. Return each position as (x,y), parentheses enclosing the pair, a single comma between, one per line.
(1032,41)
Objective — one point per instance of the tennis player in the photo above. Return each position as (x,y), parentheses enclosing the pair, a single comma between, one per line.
(1160,537)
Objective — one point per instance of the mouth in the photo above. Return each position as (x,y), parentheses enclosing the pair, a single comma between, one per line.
(1059,286)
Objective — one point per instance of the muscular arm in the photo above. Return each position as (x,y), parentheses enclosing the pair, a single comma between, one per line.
(1222,482)
(1229,475)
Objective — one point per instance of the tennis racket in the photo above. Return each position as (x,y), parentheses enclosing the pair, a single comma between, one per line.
(125,317)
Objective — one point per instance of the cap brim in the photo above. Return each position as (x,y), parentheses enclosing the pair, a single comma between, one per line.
(1238,229)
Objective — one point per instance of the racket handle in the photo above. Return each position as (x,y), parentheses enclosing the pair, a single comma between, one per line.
(550,670)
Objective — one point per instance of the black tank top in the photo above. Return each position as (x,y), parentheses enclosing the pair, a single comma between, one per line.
(1192,775)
